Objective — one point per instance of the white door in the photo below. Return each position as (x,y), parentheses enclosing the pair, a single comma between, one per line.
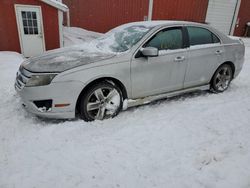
(221,14)
(30,28)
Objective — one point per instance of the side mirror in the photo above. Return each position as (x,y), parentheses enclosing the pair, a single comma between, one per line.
(150,52)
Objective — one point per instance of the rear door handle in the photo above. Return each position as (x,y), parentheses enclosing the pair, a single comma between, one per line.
(179,59)
(218,52)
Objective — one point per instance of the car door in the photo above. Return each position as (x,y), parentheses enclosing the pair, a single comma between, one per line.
(204,55)
(166,72)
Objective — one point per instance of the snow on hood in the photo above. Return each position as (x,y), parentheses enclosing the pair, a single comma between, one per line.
(63,59)
(116,41)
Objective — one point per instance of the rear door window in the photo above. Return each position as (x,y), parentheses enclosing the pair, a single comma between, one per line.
(201,36)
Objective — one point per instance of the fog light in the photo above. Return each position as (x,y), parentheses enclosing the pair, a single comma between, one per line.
(44,105)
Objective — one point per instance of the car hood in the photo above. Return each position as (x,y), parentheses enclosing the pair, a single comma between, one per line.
(64,59)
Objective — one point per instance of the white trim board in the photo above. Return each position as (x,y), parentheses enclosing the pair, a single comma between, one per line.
(150,9)
(56,4)
(60,25)
(236,14)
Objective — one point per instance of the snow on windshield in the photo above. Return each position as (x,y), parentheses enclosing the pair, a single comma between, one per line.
(122,38)
(119,39)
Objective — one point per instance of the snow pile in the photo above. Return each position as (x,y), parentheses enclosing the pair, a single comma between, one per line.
(197,140)
(75,36)
(9,63)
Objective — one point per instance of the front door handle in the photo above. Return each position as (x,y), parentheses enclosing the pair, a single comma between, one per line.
(179,59)
(218,52)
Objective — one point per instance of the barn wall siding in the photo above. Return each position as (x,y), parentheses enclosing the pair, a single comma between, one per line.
(188,10)
(103,15)
(244,17)
(8,26)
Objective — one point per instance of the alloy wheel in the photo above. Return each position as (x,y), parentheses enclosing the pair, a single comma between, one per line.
(223,78)
(103,103)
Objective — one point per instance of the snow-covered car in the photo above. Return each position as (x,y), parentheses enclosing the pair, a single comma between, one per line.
(133,64)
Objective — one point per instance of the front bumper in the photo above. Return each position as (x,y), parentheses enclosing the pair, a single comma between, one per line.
(58,93)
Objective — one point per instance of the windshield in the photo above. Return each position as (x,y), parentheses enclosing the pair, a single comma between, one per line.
(122,38)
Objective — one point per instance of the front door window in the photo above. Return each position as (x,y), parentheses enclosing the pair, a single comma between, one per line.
(170,39)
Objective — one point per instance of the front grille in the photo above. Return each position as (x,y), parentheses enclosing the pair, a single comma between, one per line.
(22,78)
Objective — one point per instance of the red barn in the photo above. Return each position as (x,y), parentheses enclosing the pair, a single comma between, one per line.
(31,26)
(229,16)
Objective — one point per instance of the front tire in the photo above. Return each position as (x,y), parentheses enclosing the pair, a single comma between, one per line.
(101,101)
(222,78)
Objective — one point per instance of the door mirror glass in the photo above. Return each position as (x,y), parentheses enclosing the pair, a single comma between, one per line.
(150,52)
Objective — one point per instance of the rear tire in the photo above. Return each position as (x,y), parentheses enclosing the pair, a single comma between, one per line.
(222,78)
(101,101)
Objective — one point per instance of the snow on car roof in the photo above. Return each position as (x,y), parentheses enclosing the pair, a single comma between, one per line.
(160,22)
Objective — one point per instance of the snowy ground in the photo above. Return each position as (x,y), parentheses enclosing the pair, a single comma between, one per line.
(199,141)
(75,35)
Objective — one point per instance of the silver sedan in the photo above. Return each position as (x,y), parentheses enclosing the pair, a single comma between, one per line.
(133,64)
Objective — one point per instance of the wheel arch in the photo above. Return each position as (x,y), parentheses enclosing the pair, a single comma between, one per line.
(117,82)
(231,64)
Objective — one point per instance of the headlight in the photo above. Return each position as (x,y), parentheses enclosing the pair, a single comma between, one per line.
(40,80)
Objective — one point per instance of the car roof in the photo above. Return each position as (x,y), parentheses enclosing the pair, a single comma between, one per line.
(156,24)
(164,23)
